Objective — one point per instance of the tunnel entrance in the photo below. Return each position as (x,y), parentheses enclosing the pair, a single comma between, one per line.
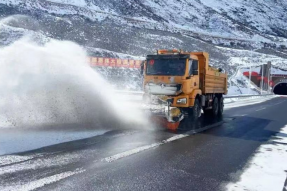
(281,89)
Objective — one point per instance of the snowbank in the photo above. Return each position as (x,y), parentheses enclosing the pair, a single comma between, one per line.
(267,169)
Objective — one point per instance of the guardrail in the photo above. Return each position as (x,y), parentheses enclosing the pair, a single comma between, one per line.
(235,98)
(137,97)
(247,96)
(227,97)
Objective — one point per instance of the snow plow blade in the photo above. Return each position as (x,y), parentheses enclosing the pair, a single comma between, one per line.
(162,122)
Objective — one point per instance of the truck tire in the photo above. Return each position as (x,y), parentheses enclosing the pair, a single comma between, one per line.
(196,110)
(215,106)
(220,106)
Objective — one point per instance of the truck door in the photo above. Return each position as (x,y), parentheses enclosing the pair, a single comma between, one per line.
(193,70)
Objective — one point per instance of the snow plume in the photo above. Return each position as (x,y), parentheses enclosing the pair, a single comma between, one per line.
(53,84)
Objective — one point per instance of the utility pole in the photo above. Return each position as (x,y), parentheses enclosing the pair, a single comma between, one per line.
(249,89)
(268,85)
(249,86)
(269,73)
(262,69)
(250,71)
(271,80)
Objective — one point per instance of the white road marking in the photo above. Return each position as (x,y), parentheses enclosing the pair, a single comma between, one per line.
(260,109)
(143,148)
(278,103)
(38,163)
(147,147)
(41,182)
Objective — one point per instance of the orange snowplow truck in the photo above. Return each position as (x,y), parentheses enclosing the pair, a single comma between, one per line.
(186,83)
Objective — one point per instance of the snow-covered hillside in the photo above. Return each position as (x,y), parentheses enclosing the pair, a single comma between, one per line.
(252,20)
(234,33)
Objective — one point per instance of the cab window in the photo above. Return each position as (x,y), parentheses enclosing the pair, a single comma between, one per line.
(193,67)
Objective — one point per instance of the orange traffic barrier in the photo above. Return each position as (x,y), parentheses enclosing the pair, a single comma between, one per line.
(114,62)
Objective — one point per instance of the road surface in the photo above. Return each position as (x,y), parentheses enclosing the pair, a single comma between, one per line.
(144,159)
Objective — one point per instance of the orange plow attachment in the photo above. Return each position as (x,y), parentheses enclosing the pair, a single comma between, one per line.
(162,121)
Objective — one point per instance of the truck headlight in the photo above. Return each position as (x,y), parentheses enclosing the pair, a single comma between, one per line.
(181,101)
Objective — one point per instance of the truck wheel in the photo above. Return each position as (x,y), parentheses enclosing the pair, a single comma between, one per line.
(215,106)
(220,106)
(196,110)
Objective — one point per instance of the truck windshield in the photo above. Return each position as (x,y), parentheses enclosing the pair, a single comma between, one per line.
(166,67)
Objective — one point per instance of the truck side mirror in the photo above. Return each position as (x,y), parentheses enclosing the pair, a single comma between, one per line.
(195,67)
(220,70)
(142,68)
(195,72)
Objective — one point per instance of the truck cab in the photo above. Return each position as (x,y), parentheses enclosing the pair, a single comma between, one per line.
(185,81)
(174,75)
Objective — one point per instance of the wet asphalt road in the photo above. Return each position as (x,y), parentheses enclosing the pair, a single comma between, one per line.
(207,160)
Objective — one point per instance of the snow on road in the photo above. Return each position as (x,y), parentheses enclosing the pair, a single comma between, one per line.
(9,159)
(41,182)
(267,169)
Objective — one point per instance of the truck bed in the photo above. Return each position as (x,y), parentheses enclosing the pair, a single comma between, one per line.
(215,82)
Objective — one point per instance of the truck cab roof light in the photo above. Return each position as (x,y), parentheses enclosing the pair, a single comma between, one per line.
(173,51)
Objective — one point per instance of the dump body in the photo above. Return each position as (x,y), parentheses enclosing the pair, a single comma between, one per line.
(184,80)
(211,79)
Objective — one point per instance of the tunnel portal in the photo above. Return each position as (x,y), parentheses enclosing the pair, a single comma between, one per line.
(280,89)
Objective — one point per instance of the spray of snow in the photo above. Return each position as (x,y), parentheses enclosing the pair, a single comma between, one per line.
(53,84)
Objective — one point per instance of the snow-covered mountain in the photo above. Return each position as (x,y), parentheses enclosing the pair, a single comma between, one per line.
(249,20)
(233,32)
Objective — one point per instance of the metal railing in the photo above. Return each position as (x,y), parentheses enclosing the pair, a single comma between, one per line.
(227,97)
(247,96)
